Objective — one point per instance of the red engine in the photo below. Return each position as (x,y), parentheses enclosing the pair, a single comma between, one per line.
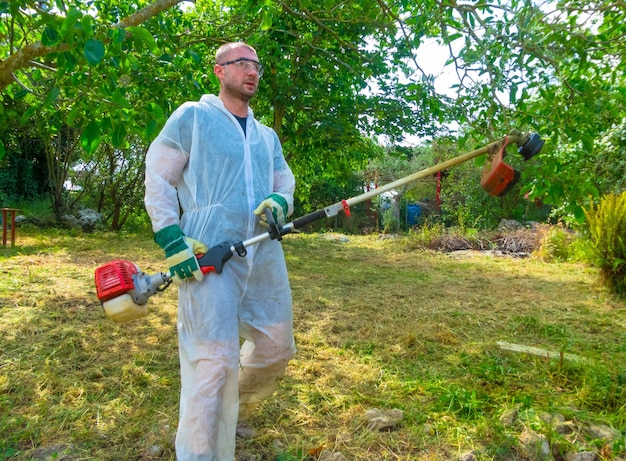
(123,289)
(114,279)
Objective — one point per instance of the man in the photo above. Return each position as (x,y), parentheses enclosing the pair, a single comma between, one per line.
(219,166)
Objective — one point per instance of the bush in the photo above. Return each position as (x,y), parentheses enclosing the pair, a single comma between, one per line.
(425,236)
(606,227)
(391,223)
(556,244)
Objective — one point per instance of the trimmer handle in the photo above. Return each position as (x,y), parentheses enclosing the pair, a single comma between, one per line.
(206,269)
(214,259)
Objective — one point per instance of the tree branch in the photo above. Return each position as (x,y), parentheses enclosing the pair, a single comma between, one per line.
(396,18)
(307,15)
(24,57)
(147,12)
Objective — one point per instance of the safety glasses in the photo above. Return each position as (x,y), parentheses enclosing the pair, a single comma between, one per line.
(245,64)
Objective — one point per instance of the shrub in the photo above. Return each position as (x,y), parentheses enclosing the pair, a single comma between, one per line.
(606,226)
(556,243)
(391,223)
(426,235)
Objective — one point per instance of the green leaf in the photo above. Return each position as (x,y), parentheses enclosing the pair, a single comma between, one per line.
(266,24)
(513,93)
(52,95)
(21,94)
(94,51)
(119,135)
(117,35)
(86,24)
(155,111)
(214,80)
(67,61)
(105,124)
(133,63)
(8,453)
(150,129)
(527,188)
(618,262)
(2,150)
(480,160)
(195,56)
(120,99)
(72,115)
(579,214)
(28,114)
(73,15)
(143,36)
(588,143)
(90,138)
(50,37)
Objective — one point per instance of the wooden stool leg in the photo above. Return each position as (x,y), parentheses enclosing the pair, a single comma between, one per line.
(13,227)
(8,213)
(4,227)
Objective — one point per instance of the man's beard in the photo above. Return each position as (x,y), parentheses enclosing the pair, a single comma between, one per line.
(240,92)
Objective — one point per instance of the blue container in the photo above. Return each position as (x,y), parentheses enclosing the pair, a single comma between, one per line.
(413,213)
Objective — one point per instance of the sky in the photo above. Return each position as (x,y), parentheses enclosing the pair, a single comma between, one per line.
(432,58)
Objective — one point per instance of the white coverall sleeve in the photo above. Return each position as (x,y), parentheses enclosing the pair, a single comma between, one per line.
(284,180)
(164,169)
(285,184)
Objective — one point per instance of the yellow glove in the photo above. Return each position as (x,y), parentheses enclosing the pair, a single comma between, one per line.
(278,206)
(180,253)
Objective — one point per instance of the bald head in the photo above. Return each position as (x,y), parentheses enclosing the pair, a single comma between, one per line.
(224,50)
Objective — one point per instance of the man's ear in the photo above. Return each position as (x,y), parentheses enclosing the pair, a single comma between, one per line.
(218,71)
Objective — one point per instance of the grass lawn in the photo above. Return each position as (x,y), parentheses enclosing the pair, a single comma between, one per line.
(378,325)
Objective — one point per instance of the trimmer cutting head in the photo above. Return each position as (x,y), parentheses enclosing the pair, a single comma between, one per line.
(532,146)
(499,178)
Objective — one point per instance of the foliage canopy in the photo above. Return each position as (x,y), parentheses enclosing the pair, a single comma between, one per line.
(341,77)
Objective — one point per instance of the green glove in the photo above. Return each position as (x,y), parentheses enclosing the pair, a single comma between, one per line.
(277,204)
(180,253)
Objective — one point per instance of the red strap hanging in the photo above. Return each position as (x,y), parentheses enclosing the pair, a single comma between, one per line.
(346,207)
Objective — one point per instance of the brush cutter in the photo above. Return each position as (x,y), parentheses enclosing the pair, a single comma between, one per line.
(123,289)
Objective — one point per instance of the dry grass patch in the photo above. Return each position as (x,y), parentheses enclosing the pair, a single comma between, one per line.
(378,325)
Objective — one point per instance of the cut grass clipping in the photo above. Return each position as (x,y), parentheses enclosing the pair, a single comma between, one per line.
(378,325)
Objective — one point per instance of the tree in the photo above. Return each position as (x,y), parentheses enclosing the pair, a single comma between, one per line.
(319,66)
(61,32)
(338,76)
(23,170)
(114,180)
(557,68)
(89,88)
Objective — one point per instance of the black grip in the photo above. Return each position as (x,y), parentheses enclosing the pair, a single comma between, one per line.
(298,223)
(216,257)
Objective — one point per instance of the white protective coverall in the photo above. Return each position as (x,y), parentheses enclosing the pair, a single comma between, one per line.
(202,161)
